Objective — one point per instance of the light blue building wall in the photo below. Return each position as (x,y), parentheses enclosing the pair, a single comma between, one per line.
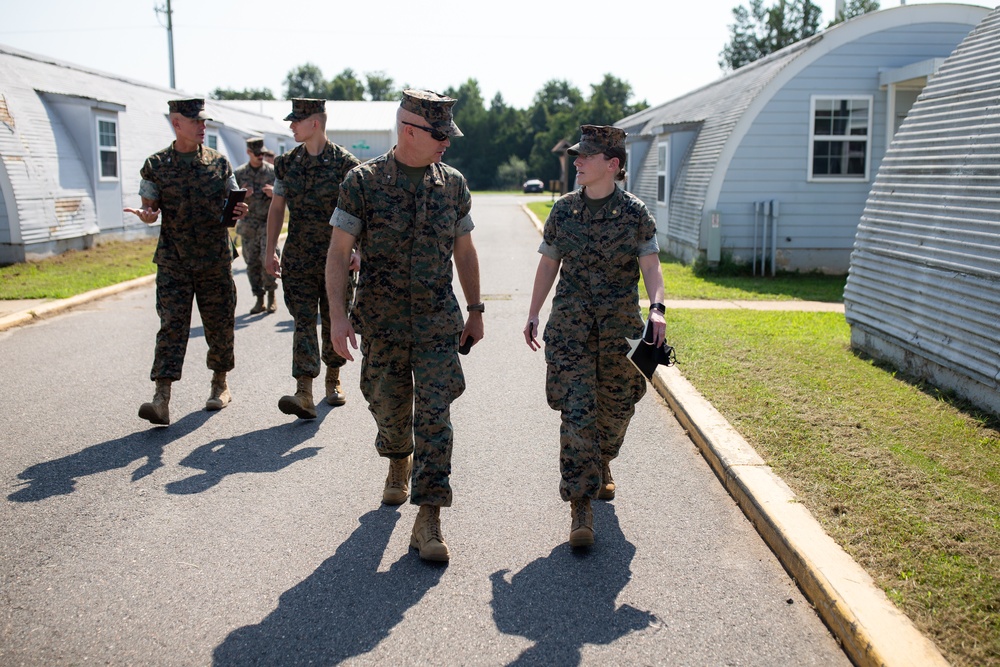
(727,170)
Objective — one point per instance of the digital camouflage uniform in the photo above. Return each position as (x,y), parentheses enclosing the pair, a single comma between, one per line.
(595,308)
(193,256)
(253,227)
(406,310)
(310,185)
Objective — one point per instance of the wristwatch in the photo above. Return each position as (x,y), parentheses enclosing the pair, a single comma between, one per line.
(476,308)
(658,307)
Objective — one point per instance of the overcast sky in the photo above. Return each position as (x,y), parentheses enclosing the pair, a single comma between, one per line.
(663,48)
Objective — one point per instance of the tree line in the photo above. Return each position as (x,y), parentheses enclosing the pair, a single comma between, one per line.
(503,146)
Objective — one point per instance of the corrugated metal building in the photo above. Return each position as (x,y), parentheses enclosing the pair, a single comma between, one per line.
(773,163)
(924,285)
(367,129)
(72,141)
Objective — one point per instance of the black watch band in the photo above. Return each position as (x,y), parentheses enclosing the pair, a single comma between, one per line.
(476,308)
(658,307)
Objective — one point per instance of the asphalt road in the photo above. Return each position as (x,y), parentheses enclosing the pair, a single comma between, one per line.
(246,537)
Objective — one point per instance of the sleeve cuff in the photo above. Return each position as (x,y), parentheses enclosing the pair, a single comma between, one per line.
(351,224)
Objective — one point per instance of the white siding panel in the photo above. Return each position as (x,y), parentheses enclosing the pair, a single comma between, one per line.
(924,285)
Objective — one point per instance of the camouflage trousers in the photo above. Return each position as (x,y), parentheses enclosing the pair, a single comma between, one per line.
(254,246)
(305,298)
(176,289)
(410,388)
(596,391)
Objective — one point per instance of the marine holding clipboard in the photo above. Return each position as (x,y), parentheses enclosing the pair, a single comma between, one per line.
(597,239)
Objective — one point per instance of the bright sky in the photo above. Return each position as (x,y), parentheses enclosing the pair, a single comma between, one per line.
(663,48)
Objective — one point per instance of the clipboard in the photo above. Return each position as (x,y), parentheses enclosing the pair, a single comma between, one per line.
(646,357)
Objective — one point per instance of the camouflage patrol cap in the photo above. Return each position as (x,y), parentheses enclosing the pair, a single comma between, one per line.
(432,107)
(255,145)
(598,139)
(193,108)
(303,107)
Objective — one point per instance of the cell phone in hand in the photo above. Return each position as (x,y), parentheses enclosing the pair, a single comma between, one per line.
(234,198)
(467,345)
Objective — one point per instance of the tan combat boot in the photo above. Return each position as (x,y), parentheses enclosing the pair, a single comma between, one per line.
(258,307)
(220,396)
(301,404)
(334,392)
(426,536)
(397,482)
(271,305)
(158,411)
(607,491)
(581,532)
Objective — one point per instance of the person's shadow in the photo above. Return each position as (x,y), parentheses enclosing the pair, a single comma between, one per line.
(59,477)
(343,609)
(266,450)
(567,599)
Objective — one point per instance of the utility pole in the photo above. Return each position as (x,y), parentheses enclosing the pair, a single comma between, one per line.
(170,37)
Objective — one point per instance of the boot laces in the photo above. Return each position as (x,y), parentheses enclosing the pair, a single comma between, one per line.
(397,473)
(433,525)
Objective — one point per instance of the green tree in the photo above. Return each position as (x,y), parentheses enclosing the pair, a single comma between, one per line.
(305,81)
(470,153)
(855,8)
(759,31)
(609,102)
(345,86)
(245,94)
(380,87)
(512,173)
(553,116)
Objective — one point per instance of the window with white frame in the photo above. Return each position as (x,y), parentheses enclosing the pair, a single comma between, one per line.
(107,149)
(663,171)
(212,140)
(840,138)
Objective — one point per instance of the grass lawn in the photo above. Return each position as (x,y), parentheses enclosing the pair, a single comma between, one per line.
(906,479)
(78,271)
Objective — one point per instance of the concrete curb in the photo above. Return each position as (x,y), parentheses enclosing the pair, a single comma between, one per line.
(871,629)
(59,305)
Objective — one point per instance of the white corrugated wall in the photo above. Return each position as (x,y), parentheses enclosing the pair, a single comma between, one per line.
(924,285)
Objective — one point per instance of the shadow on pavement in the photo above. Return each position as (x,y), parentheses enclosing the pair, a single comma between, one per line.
(266,450)
(58,477)
(343,609)
(567,599)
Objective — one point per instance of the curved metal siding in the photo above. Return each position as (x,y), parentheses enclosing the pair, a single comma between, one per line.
(719,106)
(924,282)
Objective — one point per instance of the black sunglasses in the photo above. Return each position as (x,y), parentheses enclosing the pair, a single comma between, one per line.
(436,134)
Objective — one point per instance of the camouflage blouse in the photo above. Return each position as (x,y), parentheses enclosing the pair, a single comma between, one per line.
(406,235)
(599,278)
(310,185)
(191,194)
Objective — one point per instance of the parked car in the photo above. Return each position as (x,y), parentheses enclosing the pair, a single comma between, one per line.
(534,185)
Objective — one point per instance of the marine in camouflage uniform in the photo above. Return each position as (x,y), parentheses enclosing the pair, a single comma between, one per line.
(409,214)
(193,255)
(596,244)
(257,176)
(307,180)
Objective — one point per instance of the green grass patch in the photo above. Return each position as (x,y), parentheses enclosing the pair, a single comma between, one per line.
(901,475)
(78,271)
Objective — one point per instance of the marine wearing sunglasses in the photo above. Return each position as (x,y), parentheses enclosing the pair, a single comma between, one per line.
(436,134)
